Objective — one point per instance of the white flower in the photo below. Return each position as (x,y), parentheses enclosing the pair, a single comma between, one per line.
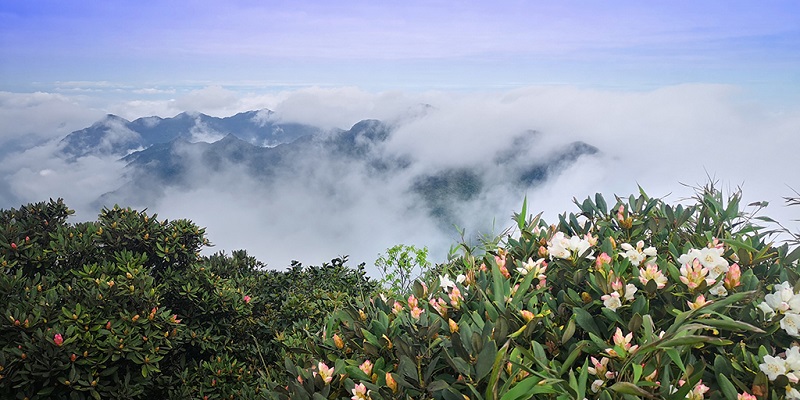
(562,247)
(792,393)
(630,290)
(772,367)
(790,323)
(445,282)
(719,290)
(558,246)
(711,258)
(612,301)
(768,311)
(597,384)
(638,254)
(793,358)
(780,300)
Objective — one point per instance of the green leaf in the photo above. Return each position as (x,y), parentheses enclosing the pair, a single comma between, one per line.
(629,388)
(585,321)
(726,386)
(436,386)
(485,360)
(731,325)
(692,340)
(522,390)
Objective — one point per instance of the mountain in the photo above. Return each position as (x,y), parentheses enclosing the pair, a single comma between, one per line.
(188,151)
(114,135)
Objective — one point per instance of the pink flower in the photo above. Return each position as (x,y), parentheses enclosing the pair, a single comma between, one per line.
(745,396)
(246,299)
(455,297)
(694,273)
(325,372)
(360,392)
(412,301)
(58,339)
(366,366)
(602,260)
(699,302)
(416,312)
(651,272)
(698,392)
(439,305)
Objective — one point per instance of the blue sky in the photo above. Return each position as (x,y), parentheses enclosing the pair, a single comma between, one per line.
(119,46)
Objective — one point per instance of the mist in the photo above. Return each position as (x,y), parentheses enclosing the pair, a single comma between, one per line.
(323,206)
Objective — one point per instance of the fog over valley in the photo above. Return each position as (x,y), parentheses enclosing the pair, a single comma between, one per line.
(314,173)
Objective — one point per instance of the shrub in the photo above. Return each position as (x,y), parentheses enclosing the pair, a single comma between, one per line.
(644,299)
(125,307)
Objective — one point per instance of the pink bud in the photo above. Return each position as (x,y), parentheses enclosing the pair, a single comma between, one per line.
(13,246)
(246,299)
(58,339)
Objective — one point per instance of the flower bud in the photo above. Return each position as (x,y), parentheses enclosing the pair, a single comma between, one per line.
(453,325)
(527,315)
(391,383)
(338,341)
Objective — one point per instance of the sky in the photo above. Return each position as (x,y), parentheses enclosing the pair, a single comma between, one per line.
(671,92)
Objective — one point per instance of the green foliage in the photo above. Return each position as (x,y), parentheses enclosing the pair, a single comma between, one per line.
(400,266)
(125,307)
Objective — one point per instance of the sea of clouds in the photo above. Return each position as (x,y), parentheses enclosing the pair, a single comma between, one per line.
(665,140)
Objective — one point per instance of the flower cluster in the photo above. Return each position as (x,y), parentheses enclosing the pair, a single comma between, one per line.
(789,367)
(638,254)
(783,301)
(706,265)
(620,292)
(537,268)
(560,246)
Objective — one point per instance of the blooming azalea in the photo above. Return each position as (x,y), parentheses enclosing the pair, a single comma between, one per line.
(698,391)
(537,268)
(416,312)
(360,392)
(638,254)
(698,302)
(325,372)
(790,323)
(612,301)
(366,367)
(602,260)
(773,366)
(711,258)
(694,273)
(651,273)
(412,301)
(439,305)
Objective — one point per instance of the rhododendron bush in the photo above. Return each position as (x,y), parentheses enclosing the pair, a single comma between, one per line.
(636,299)
(642,299)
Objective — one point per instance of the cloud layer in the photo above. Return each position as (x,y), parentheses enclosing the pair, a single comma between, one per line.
(657,139)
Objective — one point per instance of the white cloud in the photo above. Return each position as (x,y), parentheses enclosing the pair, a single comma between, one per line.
(31,117)
(324,207)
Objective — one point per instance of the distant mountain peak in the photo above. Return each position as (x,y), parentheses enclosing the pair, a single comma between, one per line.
(114,135)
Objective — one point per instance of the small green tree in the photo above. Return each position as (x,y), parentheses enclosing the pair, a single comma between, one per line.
(400,266)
